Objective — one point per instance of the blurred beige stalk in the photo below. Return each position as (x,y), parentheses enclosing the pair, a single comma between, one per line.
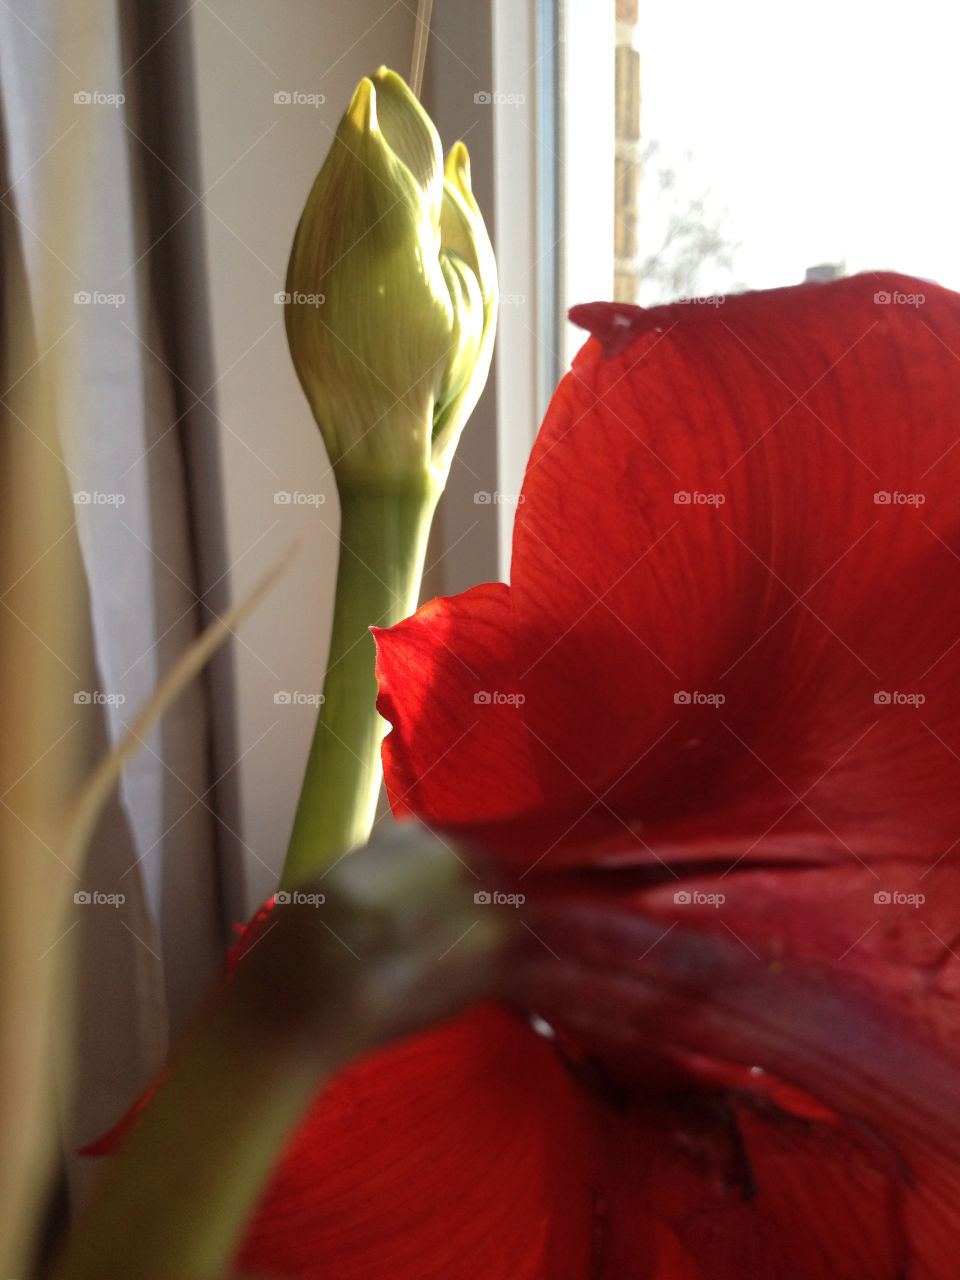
(49,809)
(44,643)
(41,750)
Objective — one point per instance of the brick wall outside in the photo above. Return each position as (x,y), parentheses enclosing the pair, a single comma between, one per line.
(627,174)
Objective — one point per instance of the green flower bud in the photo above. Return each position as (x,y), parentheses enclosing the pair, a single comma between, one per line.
(395,356)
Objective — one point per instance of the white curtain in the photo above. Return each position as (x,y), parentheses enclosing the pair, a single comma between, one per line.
(141,967)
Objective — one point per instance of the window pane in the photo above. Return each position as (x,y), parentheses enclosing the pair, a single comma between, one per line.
(770,144)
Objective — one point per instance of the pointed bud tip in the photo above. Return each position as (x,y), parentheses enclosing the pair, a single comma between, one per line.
(362,112)
(388,79)
(457,167)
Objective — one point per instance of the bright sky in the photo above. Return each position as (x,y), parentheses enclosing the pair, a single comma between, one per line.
(829,131)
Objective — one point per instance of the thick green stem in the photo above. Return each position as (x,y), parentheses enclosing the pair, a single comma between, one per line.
(383,541)
(391,944)
(230,1102)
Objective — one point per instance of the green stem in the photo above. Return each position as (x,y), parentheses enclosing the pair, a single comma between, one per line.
(383,542)
(190,1173)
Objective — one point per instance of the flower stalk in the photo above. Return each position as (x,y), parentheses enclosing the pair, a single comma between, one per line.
(383,542)
(392,360)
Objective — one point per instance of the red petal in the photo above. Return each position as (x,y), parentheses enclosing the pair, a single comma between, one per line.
(797,600)
(459,1154)
(459,751)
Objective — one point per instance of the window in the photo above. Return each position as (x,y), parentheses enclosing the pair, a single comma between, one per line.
(765,152)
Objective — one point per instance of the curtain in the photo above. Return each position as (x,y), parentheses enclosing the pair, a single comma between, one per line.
(136,345)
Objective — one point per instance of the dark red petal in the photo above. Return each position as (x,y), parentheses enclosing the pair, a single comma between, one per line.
(459,1154)
(720,1189)
(622,980)
(894,936)
(459,750)
(798,600)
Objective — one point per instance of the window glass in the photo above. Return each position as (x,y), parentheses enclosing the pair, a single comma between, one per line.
(758,145)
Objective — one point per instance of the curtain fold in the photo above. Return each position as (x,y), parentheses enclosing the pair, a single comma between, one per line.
(163,137)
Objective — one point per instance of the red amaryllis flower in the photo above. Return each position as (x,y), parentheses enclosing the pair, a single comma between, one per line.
(712,732)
